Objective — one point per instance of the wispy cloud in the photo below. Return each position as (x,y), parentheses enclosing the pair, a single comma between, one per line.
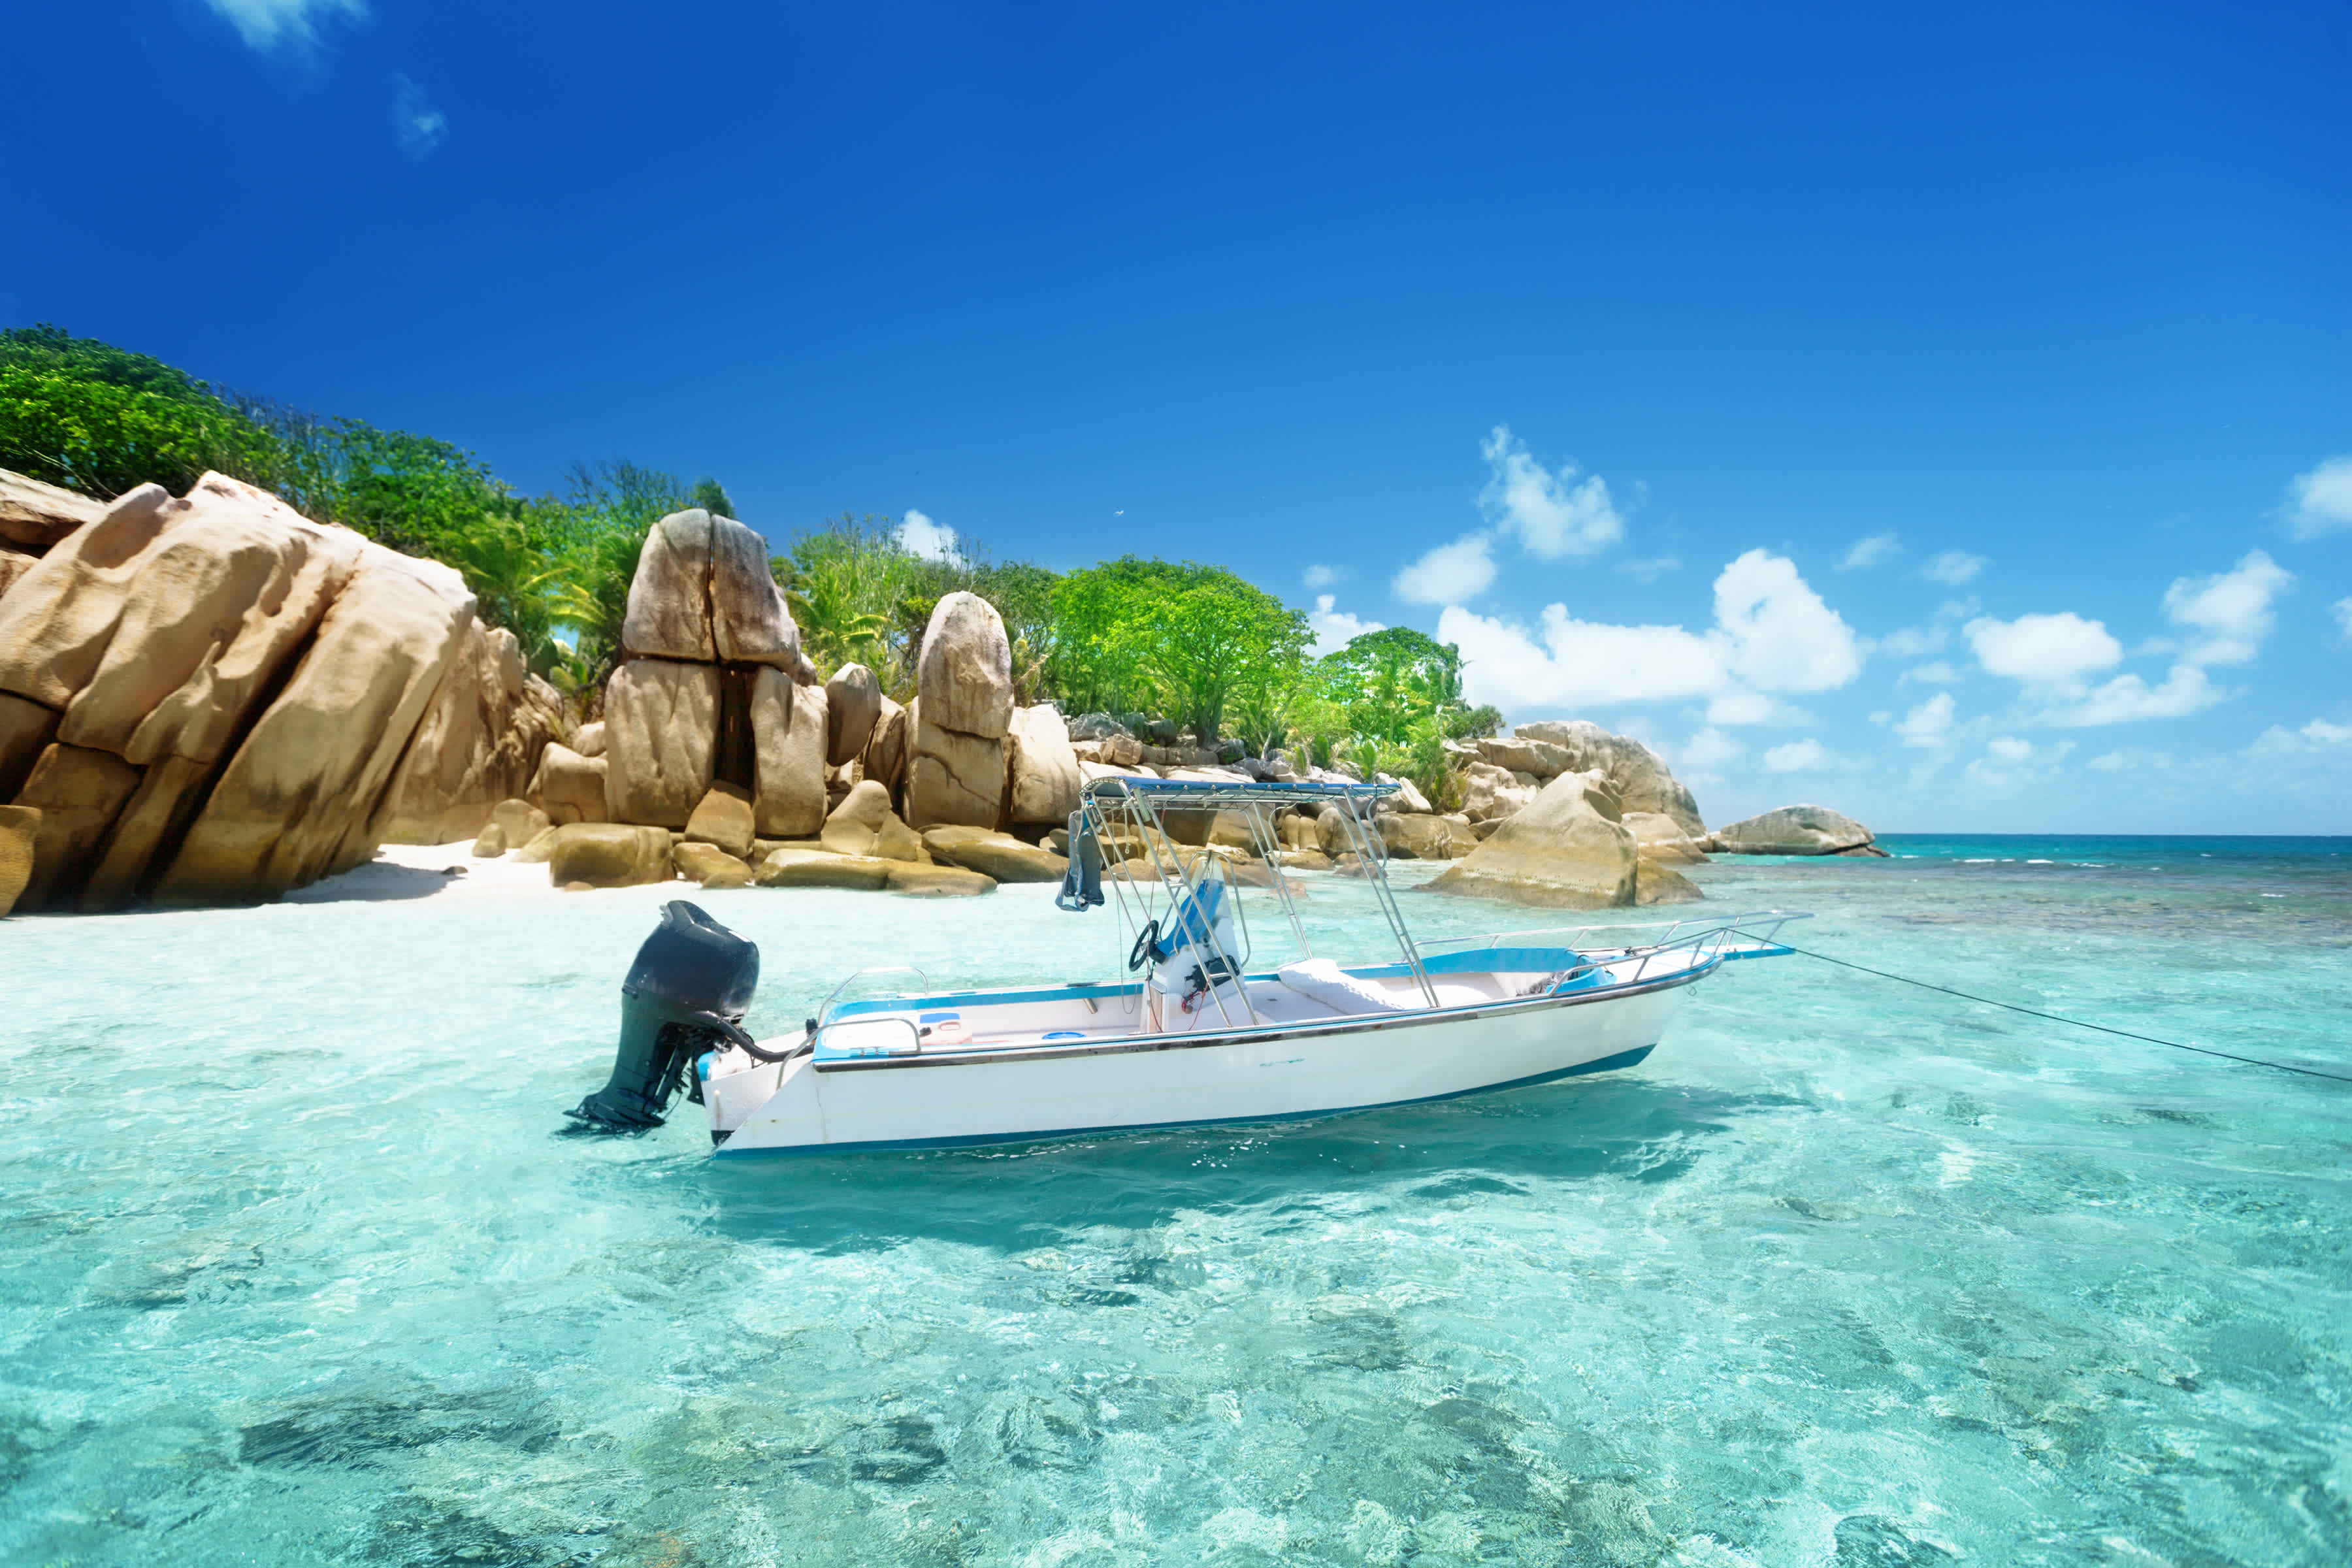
(1953,568)
(1321,576)
(416,121)
(1335,629)
(2342,610)
(2321,500)
(1554,515)
(1649,569)
(2231,609)
(921,536)
(1876,550)
(269,25)
(1928,723)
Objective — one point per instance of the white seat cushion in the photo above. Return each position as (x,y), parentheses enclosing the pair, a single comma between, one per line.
(1325,981)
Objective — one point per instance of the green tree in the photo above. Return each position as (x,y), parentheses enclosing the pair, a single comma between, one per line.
(712,497)
(102,420)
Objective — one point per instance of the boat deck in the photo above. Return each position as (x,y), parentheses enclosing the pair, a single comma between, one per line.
(1081,1013)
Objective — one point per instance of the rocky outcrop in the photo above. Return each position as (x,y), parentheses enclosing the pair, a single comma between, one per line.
(34,516)
(1641,777)
(703,594)
(963,710)
(997,856)
(723,819)
(853,705)
(661,722)
(567,787)
(1410,838)
(885,758)
(216,693)
(1796,830)
(864,825)
(710,865)
(1043,771)
(19,827)
(608,855)
(13,564)
(481,742)
(788,733)
(1566,850)
(1490,790)
(1661,838)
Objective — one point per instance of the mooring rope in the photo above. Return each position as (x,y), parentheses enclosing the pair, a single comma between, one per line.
(2077,1023)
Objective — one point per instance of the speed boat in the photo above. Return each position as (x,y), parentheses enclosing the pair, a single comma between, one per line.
(1192,1037)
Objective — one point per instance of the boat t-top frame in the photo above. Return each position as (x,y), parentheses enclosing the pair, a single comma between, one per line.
(1129,815)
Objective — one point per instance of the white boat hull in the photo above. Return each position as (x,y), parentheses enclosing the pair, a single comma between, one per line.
(1253,1074)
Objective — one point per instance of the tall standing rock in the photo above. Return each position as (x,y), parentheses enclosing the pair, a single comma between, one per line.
(703,594)
(853,705)
(1043,769)
(788,734)
(964,708)
(885,758)
(661,722)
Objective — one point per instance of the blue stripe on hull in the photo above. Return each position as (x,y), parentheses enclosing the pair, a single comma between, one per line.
(1606,1064)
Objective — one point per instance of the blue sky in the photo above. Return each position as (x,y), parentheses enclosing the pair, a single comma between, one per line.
(1946,417)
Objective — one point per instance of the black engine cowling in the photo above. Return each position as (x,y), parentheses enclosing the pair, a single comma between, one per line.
(685,993)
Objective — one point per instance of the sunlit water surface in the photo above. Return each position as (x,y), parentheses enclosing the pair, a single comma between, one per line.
(297,1269)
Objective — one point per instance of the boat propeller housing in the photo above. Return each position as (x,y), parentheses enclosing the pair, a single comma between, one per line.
(685,993)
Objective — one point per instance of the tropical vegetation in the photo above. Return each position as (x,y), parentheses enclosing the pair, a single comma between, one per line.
(1185,641)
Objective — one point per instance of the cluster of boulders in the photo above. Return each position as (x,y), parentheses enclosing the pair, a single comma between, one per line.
(720,758)
(211,699)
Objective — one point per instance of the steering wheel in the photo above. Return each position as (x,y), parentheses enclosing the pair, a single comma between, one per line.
(1146,942)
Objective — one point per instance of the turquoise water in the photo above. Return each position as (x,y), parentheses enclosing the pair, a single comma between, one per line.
(298,1270)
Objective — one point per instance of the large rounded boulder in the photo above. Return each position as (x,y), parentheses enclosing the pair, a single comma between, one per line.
(1567,849)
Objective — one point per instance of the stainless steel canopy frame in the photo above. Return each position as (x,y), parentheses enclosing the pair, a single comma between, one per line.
(1116,811)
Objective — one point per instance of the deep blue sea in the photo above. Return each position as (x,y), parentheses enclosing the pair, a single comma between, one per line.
(295,1267)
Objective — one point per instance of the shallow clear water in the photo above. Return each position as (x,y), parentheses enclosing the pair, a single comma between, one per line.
(298,1270)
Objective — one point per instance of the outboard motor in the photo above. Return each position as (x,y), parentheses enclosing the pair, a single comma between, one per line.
(685,993)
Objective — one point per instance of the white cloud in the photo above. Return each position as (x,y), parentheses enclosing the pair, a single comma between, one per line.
(264,25)
(2128,698)
(1773,633)
(1447,574)
(1876,550)
(1797,757)
(2323,499)
(2055,652)
(2319,735)
(1953,568)
(1710,748)
(1321,576)
(1335,629)
(1651,569)
(1784,638)
(921,536)
(1553,515)
(1928,723)
(419,125)
(1939,673)
(2129,759)
(2009,750)
(2342,610)
(2232,608)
